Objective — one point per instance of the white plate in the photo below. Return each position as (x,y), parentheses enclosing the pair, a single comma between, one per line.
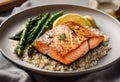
(106,23)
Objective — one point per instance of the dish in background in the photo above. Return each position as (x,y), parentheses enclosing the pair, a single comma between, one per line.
(110,6)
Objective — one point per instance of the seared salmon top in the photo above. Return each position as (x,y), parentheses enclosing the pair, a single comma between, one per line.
(67,40)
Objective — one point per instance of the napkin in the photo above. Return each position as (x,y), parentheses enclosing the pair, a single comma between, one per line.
(11,73)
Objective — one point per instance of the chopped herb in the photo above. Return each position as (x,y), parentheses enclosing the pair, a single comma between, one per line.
(62,36)
(50,36)
(72,29)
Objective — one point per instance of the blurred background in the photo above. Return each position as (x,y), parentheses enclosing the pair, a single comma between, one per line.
(110,6)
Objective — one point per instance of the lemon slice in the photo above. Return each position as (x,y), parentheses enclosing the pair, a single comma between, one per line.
(74,18)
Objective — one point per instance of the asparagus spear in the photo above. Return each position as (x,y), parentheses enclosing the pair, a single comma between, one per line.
(16,36)
(32,23)
(23,38)
(30,49)
(35,19)
(31,30)
(46,26)
(34,33)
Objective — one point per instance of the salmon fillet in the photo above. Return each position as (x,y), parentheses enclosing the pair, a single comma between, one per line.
(67,42)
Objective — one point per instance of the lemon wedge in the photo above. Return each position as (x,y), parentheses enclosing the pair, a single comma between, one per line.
(74,18)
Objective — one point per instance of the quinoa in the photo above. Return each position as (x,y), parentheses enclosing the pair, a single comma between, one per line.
(89,60)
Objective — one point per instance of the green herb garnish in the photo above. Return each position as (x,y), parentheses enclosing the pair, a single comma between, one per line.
(72,29)
(62,36)
(50,36)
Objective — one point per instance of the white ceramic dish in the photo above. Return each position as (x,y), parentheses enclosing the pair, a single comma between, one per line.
(106,23)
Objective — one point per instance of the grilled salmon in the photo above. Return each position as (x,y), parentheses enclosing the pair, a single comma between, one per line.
(67,42)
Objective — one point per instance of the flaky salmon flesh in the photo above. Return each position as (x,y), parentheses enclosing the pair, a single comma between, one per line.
(67,42)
